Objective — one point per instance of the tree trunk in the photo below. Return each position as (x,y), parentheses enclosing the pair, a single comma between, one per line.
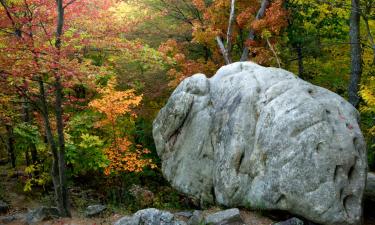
(11,145)
(52,143)
(355,53)
(63,205)
(27,119)
(300,61)
(64,210)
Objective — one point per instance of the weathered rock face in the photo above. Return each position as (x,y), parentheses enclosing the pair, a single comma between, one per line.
(262,138)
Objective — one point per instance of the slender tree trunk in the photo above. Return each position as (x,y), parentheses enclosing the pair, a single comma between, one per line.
(27,157)
(52,143)
(226,51)
(232,15)
(11,145)
(27,119)
(223,50)
(370,37)
(63,205)
(251,36)
(355,53)
(301,69)
(62,165)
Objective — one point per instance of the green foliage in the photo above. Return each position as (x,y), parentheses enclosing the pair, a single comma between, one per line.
(36,177)
(84,149)
(27,135)
(87,155)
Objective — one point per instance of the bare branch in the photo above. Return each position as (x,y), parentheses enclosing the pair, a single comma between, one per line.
(274,52)
(69,3)
(230,29)
(223,50)
(260,14)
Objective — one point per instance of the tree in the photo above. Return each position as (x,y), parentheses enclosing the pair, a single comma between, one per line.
(45,56)
(114,104)
(355,53)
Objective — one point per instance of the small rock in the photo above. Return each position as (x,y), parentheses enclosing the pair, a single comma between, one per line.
(196,219)
(7,219)
(4,207)
(226,217)
(292,221)
(40,214)
(150,216)
(94,210)
(186,214)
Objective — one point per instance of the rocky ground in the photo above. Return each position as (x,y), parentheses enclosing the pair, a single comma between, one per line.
(17,206)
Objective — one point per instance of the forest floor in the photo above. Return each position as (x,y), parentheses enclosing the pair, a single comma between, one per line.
(20,203)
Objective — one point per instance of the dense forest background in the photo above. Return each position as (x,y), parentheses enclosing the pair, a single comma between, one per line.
(82,80)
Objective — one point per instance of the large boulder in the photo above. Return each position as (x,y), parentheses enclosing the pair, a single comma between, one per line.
(262,138)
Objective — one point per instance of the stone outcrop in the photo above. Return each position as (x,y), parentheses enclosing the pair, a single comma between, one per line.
(262,138)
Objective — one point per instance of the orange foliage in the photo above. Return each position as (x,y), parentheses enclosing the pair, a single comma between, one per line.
(183,67)
(123,159)
(115,103)
(123,156)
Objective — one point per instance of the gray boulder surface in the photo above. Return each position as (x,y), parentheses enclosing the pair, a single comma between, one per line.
(291,221)
(7,219)
(40,214)
(150,216)
(94,210)
(262,138)
(197,218)
(226,217)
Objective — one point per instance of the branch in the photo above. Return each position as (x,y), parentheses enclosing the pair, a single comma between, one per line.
(260,14)
(223,50)
(69,3)
(370,37)
(274,53)
(230,29)
(16,30)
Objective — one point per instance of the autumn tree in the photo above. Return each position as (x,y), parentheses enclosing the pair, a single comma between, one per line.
(45,44)
(123,155)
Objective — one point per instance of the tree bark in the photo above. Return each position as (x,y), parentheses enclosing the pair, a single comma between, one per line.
(51,141)
(251,36)
(64,210)
(230,29)
(63,205)
(355,53)
(227,51)
(12,154)
(27,119)
(301,69)
(223,50)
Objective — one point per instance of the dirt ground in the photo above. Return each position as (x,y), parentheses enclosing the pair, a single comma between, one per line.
(20,204)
